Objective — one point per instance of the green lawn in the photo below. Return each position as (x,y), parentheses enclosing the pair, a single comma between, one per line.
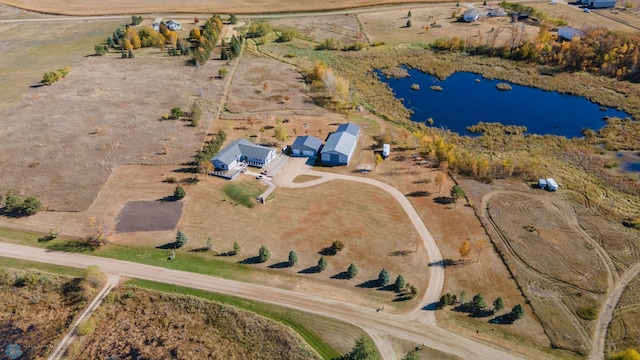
(9,263)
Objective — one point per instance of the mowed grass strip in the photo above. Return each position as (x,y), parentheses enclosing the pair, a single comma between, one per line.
(10,263)
(244,193)
(317,331)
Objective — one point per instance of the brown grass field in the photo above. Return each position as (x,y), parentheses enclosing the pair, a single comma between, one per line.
(155,325)
(85,7)
(36,307)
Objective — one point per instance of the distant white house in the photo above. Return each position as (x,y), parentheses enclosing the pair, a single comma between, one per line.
(568,33)
(306,146)
(170,24)
(243,151)
(471,15)
(340,145)
(173,25)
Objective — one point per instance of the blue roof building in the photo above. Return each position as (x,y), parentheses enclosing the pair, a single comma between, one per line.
(340,145)
(242,150)
(306,146)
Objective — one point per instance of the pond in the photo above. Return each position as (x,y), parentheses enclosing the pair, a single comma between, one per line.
(467,98)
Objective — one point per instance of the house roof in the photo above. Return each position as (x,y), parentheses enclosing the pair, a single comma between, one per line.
(471,13)
(249,149)
(568,32)
(241,147)
(307,143)
(340,142)
(351,128)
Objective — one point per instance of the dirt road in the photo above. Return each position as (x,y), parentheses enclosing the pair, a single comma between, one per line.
(367,318)
(606,312)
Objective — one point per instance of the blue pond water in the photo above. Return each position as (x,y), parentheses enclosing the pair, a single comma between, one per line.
(464,102)
(632,167)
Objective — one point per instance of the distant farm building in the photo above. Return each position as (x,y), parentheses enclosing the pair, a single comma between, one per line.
(340,145)
(498,11)
(386,150)
(306,146)
(471,15)
(568,33)
(242,151)
(598,4)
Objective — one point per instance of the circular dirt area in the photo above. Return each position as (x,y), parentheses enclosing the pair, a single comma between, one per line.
(149,216)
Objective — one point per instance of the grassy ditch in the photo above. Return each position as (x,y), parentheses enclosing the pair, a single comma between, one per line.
(317,331)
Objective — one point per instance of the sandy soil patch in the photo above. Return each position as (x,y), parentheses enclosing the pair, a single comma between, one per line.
(105,113)
(149,216)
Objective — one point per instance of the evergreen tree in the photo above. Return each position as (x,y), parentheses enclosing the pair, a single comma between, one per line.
(400,283)
(517,312)
(408,23)
(263,254)
(322,263)
(498,304)
(383,277)
(179,192)
(209,244)
(233,19)
(478,302)
(293,258)
(181,239)
(131,56)
(236,248)
(352,271)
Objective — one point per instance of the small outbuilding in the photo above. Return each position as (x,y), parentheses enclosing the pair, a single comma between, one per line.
(498,11)
(568,33)
(542,183)
(386,150)
(471,15)
(306,146)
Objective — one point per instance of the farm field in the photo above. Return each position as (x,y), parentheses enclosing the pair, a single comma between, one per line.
(86,7)
(623,332)
(40,47)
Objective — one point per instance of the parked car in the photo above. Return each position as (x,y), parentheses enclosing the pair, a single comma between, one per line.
(587,10)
